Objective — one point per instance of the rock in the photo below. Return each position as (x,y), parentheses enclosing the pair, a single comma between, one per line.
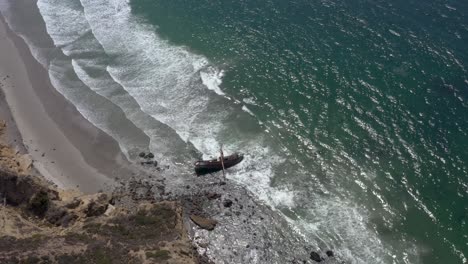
(315,256)
(330,253)
(95,209)
(203,244)
(110,210)
(150,162)
(213,196)
(55,215)
(73,204)
(142,155)
(205,223)
(149,156)
(98,206)
(227,203)
(68,219)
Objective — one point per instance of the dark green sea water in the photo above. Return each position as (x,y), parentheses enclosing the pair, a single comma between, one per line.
(370,95)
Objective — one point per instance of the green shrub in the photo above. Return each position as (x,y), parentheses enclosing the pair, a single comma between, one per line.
(39,203)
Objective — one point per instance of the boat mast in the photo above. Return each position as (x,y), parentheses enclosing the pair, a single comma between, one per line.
(222,159)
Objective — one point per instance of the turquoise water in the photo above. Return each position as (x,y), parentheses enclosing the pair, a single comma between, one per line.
(369,95)
(353,116)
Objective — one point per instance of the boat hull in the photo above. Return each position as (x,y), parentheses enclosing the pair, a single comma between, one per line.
(210,166)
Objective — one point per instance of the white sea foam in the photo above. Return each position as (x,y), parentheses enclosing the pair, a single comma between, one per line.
(394,32)
(212,79)
(250,101)
(247,110)
(69,12)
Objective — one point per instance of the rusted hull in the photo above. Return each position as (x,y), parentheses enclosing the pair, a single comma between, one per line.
(210,166)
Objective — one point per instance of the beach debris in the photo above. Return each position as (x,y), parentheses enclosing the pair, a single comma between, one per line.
(204,223)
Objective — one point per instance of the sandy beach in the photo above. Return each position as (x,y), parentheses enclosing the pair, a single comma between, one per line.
(64,147)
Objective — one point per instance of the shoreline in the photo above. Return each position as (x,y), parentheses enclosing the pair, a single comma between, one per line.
(65,148)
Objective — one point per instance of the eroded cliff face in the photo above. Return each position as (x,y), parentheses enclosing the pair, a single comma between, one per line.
(10,158)
(42,224)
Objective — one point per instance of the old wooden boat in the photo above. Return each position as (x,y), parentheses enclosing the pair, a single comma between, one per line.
(214,165)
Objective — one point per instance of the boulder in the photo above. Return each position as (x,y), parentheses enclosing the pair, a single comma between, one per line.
(73,204)
(149,156)
(68,219)
(227,203)
(142,155)
(213,195)
(97,206)
(330,253)
(149,162)
(95,209)
(204,223)
(315,256)
(110,210)
(55,214)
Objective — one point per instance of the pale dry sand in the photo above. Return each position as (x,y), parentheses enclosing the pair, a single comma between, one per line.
(64,146)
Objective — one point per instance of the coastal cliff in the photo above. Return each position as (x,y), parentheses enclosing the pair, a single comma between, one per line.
(40,223)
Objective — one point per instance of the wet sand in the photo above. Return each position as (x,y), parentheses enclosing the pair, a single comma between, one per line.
(65,147)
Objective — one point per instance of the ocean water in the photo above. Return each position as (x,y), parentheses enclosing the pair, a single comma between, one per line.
(353,115)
